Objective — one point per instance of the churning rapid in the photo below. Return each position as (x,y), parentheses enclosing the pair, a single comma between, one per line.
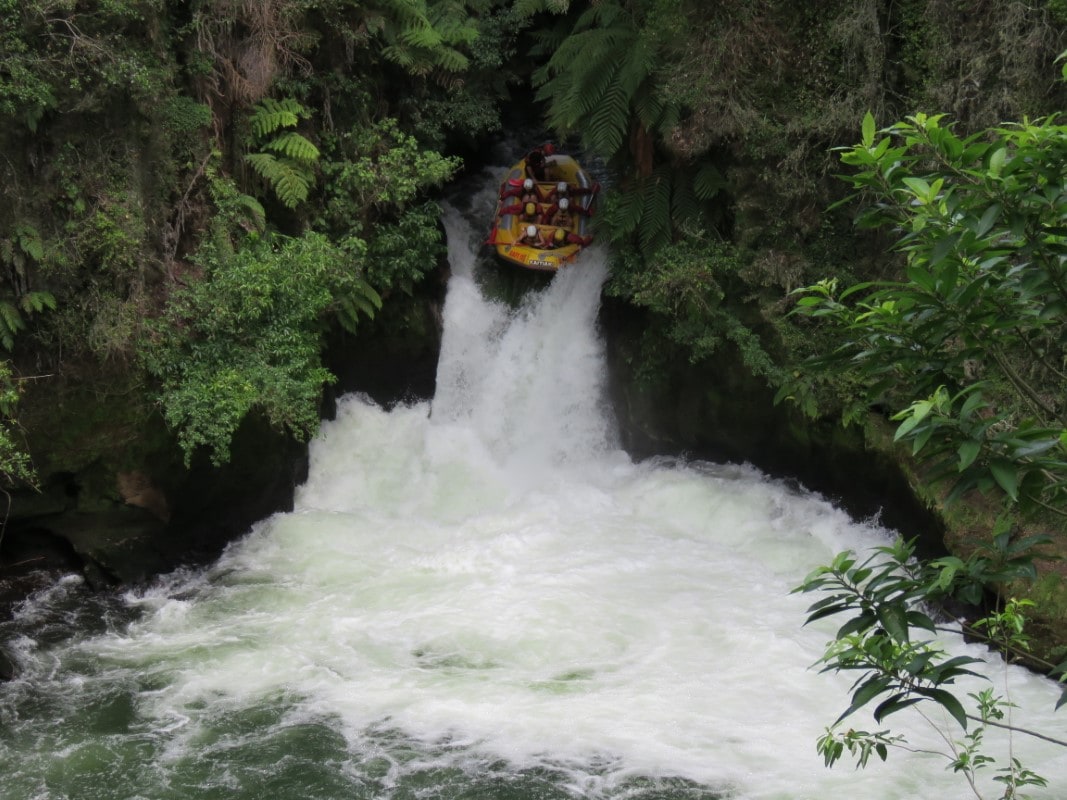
(477,598)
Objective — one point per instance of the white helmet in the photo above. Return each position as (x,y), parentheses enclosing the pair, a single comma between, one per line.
(531,230)
(564,204)
(527,184)
(561,187)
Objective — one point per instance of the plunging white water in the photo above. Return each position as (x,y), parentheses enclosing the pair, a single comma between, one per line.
(481,598)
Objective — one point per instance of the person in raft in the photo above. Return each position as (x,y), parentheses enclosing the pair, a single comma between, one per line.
(525,210)
(551,238)
(525,191)
(532,237)
(564,189)
(535,161)
(560,213)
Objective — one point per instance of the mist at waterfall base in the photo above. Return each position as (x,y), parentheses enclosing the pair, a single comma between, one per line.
(477,598)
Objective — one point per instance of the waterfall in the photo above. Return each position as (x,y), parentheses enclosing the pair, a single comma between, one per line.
(478,597)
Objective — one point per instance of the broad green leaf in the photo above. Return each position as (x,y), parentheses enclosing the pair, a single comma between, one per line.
(868,129)
(968,452)
(987,220)
(869,690)
(948,701)
(918,187)
(1006,475)
(897,702)
(894,619)
(920,276)
(996,161)
(943,247)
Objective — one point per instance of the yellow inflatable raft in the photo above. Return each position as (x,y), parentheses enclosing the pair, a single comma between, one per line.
(543,217)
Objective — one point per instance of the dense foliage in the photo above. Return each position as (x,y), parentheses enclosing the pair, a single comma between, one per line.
(967,348)
(157,154)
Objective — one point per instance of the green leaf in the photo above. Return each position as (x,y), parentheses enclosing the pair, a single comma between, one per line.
(1006,474)
(869,690)
(920,276)
(987,220)
(968,452)
(858,624)
(996,161)
(919,188)
(897,702)
(894,619)
(868,129)
(948,701)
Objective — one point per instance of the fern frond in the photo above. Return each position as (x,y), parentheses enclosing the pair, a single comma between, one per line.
(452,21)
(10,324)
(638,64)
(608,124)
(452,60)
(347,314)
(606,15)
(254,211)
(269,115)
(361,300)
(589,89)
(365,307)
(294,146)
(423,36)
(369,293)
(524,9)
(398,55)
(403,12)
(548,40)
(264,164)
(669,119)
(293,186)
(625,213)
(649,108)
(708,181)
(30,242)
(685,205)
(655,229)
(36,302)
(290,180)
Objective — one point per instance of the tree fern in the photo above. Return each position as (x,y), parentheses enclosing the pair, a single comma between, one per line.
(605,83)
(290,174)
(426,38)
(593,81)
